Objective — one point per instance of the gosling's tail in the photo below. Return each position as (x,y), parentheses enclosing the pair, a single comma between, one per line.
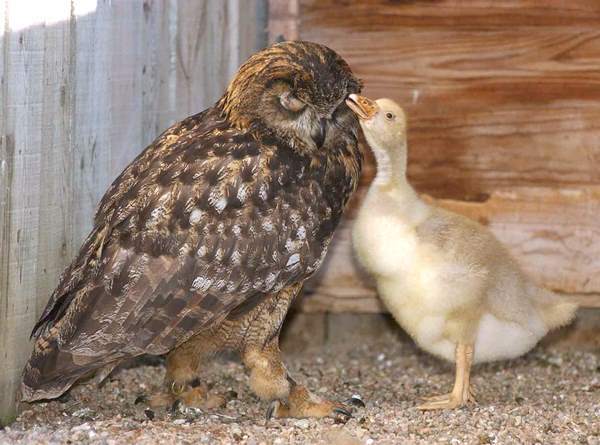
(556,311)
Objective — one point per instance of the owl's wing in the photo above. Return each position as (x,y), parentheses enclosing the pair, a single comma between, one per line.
(200,223)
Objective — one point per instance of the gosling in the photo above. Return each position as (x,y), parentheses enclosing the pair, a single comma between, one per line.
(445,278)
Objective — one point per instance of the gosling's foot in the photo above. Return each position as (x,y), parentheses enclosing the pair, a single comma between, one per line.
(445,401)
(448,401)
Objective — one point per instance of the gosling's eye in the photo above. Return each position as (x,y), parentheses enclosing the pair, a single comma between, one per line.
(291,102)
(389,116)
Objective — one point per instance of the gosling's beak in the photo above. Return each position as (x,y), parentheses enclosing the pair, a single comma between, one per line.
(362,106)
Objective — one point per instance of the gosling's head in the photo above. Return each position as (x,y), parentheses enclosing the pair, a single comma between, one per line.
(383,121)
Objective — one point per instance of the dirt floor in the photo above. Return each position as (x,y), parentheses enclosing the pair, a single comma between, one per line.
(550,396)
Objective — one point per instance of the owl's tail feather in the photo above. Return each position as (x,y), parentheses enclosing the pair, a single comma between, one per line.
(32,390)
(50,372)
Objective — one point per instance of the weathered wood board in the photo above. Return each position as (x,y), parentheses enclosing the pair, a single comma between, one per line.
(504,124)
(84,86)
(283,20)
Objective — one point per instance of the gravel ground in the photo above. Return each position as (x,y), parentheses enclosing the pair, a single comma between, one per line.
(550,396)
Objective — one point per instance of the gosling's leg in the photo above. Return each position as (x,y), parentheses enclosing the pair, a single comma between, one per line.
(468,391)
(461,393)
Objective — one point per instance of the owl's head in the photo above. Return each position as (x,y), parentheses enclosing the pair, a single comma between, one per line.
(295,89)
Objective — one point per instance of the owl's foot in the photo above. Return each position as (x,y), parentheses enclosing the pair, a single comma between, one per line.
(192,395)
(270,380)
(302,403)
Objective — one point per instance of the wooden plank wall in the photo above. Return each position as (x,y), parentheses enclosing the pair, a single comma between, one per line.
(504,124)
(84,86)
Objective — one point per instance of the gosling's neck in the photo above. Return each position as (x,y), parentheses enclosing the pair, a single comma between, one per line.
(391,166)
(391,181)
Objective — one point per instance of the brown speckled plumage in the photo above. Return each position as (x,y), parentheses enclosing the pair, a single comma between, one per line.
(218,215)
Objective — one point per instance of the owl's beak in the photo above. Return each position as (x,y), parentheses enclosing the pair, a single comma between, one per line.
(319,133)
(362,106)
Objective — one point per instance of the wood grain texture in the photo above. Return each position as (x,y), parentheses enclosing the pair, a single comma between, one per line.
(283,20)
(481,15)
(82,91)
(503,123)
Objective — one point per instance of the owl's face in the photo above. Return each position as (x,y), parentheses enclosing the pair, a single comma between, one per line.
(297,90)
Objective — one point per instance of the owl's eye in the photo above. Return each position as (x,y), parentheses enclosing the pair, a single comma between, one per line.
(291,102)
(389,116)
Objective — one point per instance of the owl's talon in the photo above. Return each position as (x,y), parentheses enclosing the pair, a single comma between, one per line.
(176,406)
(355,400)
(271,409)
(177,387)
(347,415)
(278,409)
(301,403)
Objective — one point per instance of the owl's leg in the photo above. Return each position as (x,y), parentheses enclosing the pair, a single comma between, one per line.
(182,384)
(270,380)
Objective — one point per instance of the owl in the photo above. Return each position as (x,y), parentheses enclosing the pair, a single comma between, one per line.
(203,242)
